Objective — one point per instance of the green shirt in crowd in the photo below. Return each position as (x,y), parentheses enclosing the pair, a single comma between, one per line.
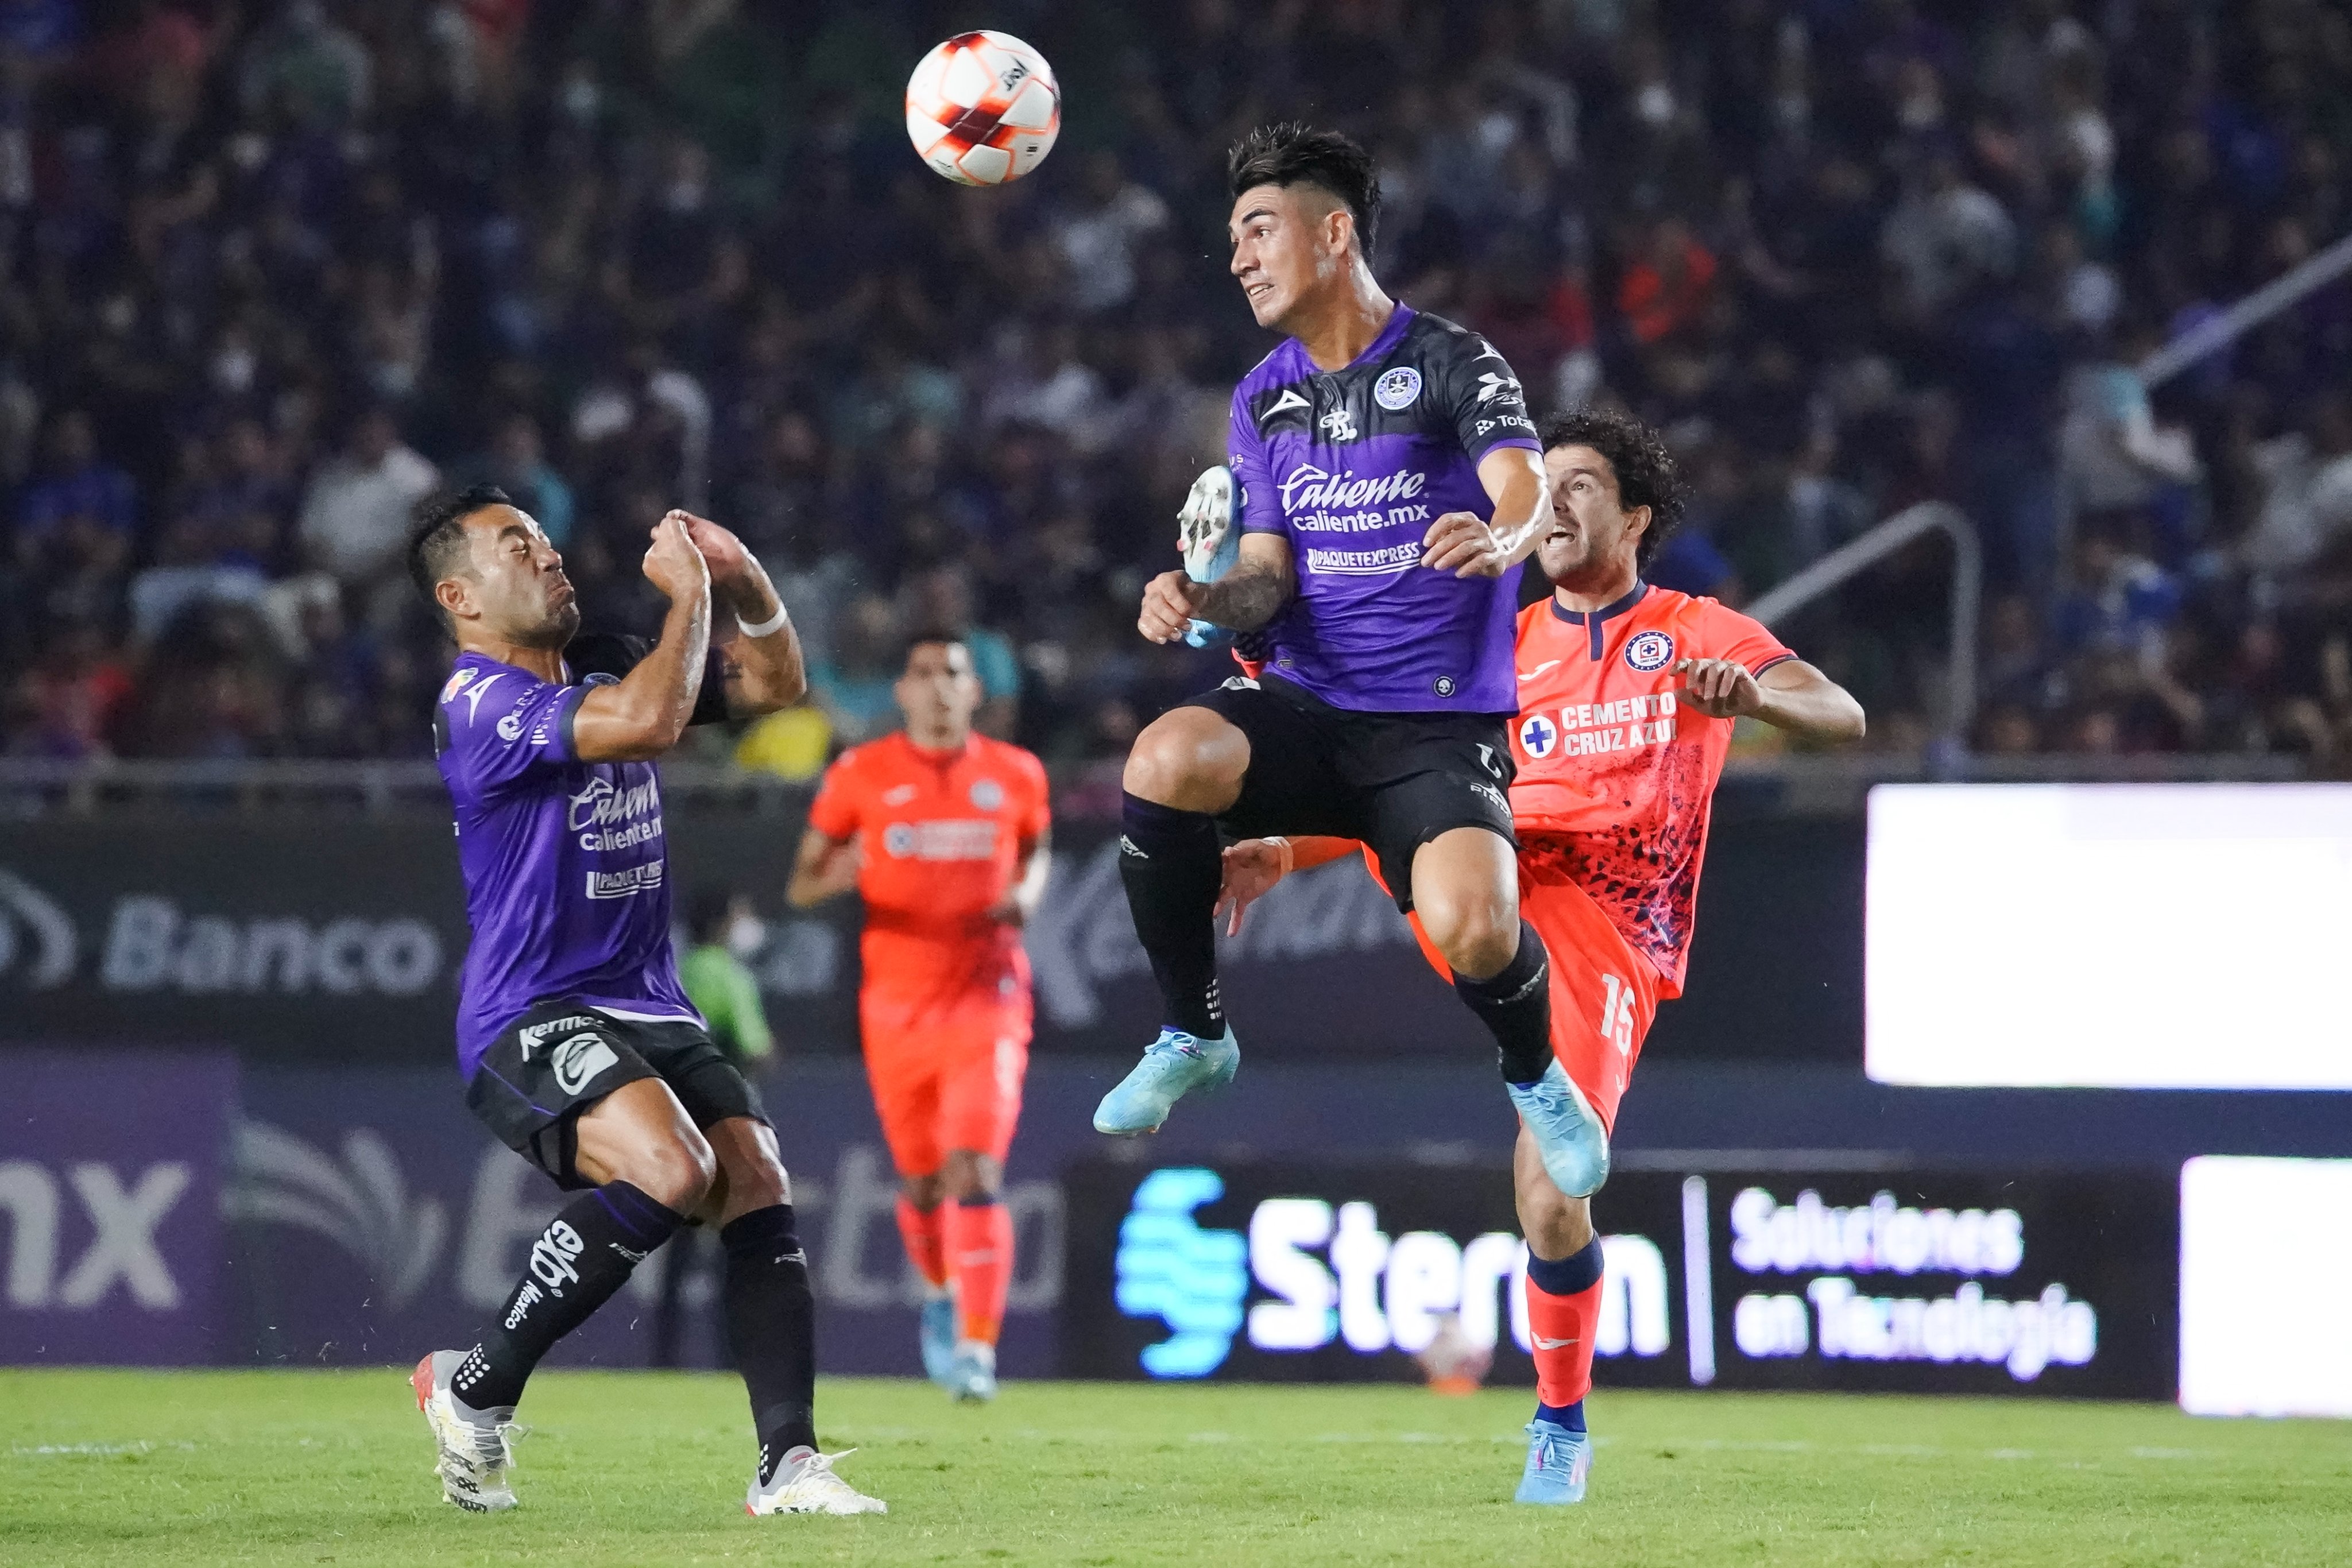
(718,985)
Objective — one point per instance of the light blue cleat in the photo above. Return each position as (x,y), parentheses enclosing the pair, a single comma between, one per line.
(1567,1133)
(971,1379)
(1557,1462)
(938,1338)
(1176,1064)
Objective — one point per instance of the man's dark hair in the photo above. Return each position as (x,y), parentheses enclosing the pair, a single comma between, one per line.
(926,638)
(1637,454)
(437,537)
(1294,154)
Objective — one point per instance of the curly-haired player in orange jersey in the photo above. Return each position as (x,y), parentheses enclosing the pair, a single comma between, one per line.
(945,833)
(1627,695)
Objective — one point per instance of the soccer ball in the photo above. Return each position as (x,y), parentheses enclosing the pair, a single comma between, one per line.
(983,108)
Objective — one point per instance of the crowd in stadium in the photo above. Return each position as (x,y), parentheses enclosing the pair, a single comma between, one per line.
(277,268)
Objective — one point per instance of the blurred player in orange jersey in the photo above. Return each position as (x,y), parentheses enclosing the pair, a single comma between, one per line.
(1627,696)
(945,834)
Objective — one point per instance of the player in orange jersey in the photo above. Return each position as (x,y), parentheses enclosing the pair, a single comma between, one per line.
(1627,696)
(945,833)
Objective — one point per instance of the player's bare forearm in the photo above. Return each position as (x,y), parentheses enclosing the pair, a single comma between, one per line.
(763,673)
(825,867)
(1470,546)
(1247,597)
(1798,699)
(642,714)
(1036,864)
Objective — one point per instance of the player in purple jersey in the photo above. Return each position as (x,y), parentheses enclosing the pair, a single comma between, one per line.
(1390,484)
(579,1049)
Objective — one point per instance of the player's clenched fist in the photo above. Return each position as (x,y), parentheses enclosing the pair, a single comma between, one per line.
(674,562)
(1720,688)
(1170,602)
(1464,544)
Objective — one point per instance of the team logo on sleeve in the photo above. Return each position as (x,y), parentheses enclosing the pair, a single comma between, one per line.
(1538,735)
(456,682)
(987,794)
(1650,650)
(1396,389)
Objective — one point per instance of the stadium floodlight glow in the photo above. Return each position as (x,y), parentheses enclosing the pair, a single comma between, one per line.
(2108,936)
(2263,1280)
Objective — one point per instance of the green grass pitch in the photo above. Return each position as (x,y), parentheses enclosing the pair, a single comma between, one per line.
(156,1469)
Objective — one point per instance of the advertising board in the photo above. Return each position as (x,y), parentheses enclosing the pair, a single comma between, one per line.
(1922,1281)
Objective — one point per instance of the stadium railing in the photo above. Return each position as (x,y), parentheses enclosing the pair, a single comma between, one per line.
(1860,554)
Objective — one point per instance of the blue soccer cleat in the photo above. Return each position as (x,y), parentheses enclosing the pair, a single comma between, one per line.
(1176,1064)
(971,1378)
(1557,1462)
(1567,1133)
(938,1338)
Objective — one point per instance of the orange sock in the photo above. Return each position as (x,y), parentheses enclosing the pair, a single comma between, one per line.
(922,1230)
(980,1251)
(1560,1323)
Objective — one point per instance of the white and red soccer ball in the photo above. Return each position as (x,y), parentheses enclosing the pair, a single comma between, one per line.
(983,108)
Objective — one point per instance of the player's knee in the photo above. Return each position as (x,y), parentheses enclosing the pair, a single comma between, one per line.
(924,1191)
(1189,758)
(675,1170)
(1476,931)
(969,1174)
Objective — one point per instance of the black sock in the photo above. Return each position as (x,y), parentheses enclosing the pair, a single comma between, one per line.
(1171,865)
(584,1255)
(1517,1006)
(772,1324)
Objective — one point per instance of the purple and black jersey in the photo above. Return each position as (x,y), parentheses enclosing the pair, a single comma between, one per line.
(567,871)
(1351,466)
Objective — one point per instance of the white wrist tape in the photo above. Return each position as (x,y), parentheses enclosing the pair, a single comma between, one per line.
(773,623)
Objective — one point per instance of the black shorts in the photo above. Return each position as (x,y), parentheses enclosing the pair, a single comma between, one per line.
(1391,780)
(562,1057)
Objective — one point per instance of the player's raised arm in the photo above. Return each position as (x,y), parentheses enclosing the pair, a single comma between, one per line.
(826,867)
(1790,695)
(764,666)
(642,714)
(1260,584)
(1470,546)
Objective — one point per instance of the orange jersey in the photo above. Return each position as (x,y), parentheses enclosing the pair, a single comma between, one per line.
(940,836)
(1615,783)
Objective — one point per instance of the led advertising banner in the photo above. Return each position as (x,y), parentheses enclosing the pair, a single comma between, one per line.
(2264,1277)
(2108,936)
(1918,1281)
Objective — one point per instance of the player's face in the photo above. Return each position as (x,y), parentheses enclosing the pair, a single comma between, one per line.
(1283,249)
(939,693)
(1590,529)
(517,584)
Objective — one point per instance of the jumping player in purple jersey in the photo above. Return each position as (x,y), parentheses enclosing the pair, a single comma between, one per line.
(1389,483)
(579,1049)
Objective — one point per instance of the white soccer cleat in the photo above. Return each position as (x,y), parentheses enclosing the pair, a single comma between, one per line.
(1209,541)
(476,1446)
(809,1486)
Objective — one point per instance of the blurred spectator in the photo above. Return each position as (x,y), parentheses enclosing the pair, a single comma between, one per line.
(1852,256)
(854,686)
(517,462)
(355,512)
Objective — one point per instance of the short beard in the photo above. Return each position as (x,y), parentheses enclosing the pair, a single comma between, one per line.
(553,632)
